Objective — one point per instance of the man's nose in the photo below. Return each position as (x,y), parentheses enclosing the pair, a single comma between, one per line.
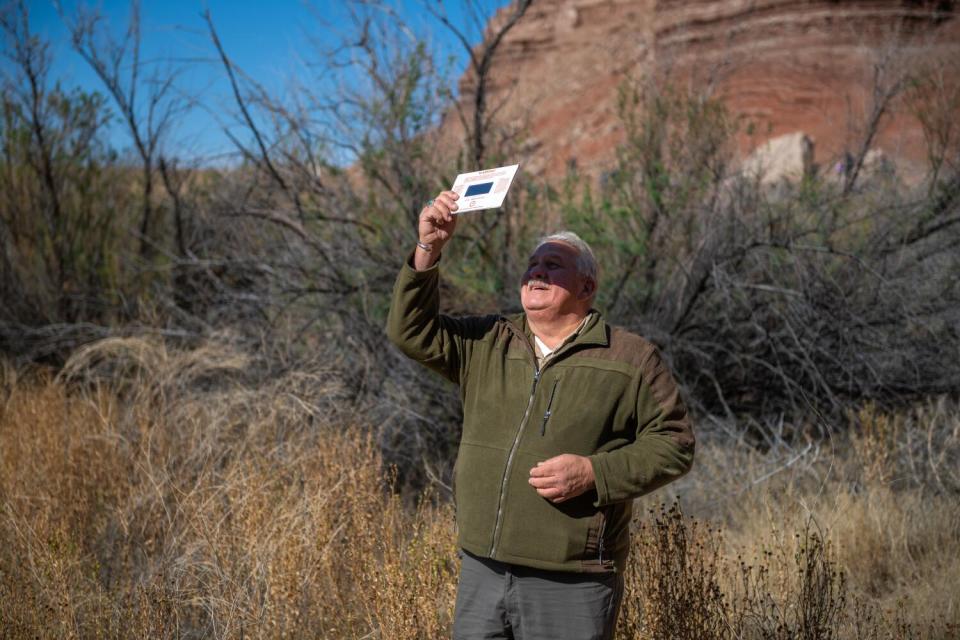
(537,272)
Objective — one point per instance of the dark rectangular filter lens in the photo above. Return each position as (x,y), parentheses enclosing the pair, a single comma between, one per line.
(478,189)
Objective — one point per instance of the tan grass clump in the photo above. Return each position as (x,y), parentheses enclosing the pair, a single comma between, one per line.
(152,510)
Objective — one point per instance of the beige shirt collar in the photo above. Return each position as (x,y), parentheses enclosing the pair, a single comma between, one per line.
(544,353)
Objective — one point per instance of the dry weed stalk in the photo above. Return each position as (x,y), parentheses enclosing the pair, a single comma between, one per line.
(875,442)
(673,585)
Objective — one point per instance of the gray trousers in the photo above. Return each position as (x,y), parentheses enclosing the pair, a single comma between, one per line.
(498,600)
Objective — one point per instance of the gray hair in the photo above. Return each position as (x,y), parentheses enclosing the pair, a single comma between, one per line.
(586,262)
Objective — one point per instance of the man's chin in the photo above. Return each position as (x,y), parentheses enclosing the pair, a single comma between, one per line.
(534,307)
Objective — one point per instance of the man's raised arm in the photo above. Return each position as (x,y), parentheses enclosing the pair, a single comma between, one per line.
(415,324)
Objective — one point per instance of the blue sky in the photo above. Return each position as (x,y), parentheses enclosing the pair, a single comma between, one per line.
(273,42)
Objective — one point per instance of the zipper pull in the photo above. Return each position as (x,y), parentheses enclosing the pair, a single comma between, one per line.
(549,412)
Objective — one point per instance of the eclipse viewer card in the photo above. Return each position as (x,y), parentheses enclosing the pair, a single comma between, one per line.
(483,189)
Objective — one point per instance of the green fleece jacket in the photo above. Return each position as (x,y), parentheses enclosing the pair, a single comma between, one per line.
(606,395)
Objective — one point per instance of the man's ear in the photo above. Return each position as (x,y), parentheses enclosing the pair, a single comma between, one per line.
(588,289)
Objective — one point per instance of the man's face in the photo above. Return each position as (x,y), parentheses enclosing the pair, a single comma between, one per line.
(552,282)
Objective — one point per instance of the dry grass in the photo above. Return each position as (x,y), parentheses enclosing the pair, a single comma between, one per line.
(150,512)
(151,493)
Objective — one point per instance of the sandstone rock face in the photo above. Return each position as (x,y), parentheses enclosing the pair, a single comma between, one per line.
(780,66)
(788,157)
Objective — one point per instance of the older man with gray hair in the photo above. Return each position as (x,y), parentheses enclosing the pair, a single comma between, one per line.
(566,420)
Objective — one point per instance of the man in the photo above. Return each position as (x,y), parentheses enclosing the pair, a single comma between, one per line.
(565,421)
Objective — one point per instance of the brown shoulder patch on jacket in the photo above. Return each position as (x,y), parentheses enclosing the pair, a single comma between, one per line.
(625,347)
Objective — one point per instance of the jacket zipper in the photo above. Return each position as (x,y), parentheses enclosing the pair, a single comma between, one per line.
(549,411)
(506,470)
(603,529)
(523,422)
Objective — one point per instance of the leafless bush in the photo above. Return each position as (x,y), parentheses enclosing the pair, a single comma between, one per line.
(810,604)
(145,97)
(795,299)
(57,241)
(934,98)
(674,583)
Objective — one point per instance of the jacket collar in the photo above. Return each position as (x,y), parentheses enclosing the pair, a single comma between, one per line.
(593,333)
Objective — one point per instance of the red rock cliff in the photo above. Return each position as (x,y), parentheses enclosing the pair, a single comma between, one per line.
(782,66)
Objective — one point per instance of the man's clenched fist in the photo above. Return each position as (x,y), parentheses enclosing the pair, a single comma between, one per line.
(562,477)
(436,226)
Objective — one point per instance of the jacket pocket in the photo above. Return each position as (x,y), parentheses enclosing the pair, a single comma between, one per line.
(604,516)
(549,411)
(597,556)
